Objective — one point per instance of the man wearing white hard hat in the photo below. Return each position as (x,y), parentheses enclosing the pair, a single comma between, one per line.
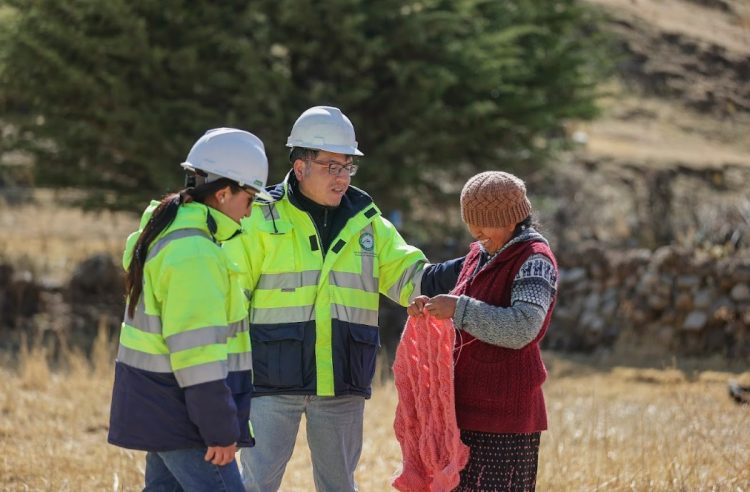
(317,257)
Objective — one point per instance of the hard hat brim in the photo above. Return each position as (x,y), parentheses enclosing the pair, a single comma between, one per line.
(259,192)
(336,149)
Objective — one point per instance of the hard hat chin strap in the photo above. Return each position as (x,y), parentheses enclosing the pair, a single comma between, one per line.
(195,178)
(190,181)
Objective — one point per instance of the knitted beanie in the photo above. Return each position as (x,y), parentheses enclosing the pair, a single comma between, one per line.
(494,199)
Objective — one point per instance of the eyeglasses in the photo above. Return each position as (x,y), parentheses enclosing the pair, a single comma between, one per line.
(335,167)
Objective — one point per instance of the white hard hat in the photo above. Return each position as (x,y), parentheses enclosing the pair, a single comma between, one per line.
(324,128)
(231,153)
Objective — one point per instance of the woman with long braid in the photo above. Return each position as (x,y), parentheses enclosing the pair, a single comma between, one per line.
(183,375)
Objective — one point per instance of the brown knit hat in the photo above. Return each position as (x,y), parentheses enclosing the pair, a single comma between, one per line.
(494,199)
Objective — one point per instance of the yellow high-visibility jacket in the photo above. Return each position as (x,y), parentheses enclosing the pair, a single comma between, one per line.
(314,317)
(183,372)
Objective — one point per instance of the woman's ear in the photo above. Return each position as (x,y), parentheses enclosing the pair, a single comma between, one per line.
(222,194)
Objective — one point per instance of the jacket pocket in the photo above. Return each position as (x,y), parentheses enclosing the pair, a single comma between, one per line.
(278,244)
(363,348)
(277,355)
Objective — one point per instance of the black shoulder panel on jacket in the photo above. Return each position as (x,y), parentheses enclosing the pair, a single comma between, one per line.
(339,244)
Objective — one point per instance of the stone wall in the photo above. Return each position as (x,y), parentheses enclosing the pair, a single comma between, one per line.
(19,297)
(71,312)
(669,301)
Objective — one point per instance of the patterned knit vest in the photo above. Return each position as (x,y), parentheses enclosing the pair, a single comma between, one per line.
(499,389)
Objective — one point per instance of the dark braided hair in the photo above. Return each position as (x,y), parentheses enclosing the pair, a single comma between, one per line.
(160,219)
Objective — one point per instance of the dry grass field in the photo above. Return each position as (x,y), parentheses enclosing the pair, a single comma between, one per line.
(48,237)
(611,428)
(615,424)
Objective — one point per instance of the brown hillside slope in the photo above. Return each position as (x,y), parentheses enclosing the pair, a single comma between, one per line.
(669,160)
(690,66)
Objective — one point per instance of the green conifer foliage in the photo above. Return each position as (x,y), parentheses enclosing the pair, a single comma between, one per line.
(112,94)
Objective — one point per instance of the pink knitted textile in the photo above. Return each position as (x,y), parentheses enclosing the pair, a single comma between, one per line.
(425,423)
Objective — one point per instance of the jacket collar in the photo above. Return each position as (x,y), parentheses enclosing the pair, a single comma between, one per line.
(299,200)
(196,215)
(354,200)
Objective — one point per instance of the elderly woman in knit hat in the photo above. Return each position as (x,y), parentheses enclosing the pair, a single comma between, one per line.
(501,305)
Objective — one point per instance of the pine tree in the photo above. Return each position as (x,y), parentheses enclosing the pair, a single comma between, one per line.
(111,95)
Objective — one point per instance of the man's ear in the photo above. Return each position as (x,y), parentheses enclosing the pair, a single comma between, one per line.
(299,169)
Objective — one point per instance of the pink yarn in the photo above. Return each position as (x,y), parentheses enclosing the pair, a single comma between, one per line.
(425,423)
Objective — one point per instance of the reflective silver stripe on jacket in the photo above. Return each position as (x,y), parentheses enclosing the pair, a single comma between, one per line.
(144,361)
(281,315)
(198,337)
(270,212)
(368,261)
(291,280)
(172,236)
(151,323)
(354,315)
(365,281)
(240,362)
(238,327)
(348,280)
(148,323)
(418,282)
(413,273)
(204,373)
(161,362)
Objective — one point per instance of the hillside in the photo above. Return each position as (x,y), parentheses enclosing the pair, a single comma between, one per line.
(669,159)
(689,63)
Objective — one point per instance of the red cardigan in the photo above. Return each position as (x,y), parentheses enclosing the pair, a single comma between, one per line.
(499,389)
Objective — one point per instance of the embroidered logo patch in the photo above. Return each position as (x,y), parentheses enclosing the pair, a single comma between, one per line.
(366,241)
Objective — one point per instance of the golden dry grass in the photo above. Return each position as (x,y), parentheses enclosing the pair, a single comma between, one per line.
(659,133)
(50,238)
(610,429)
